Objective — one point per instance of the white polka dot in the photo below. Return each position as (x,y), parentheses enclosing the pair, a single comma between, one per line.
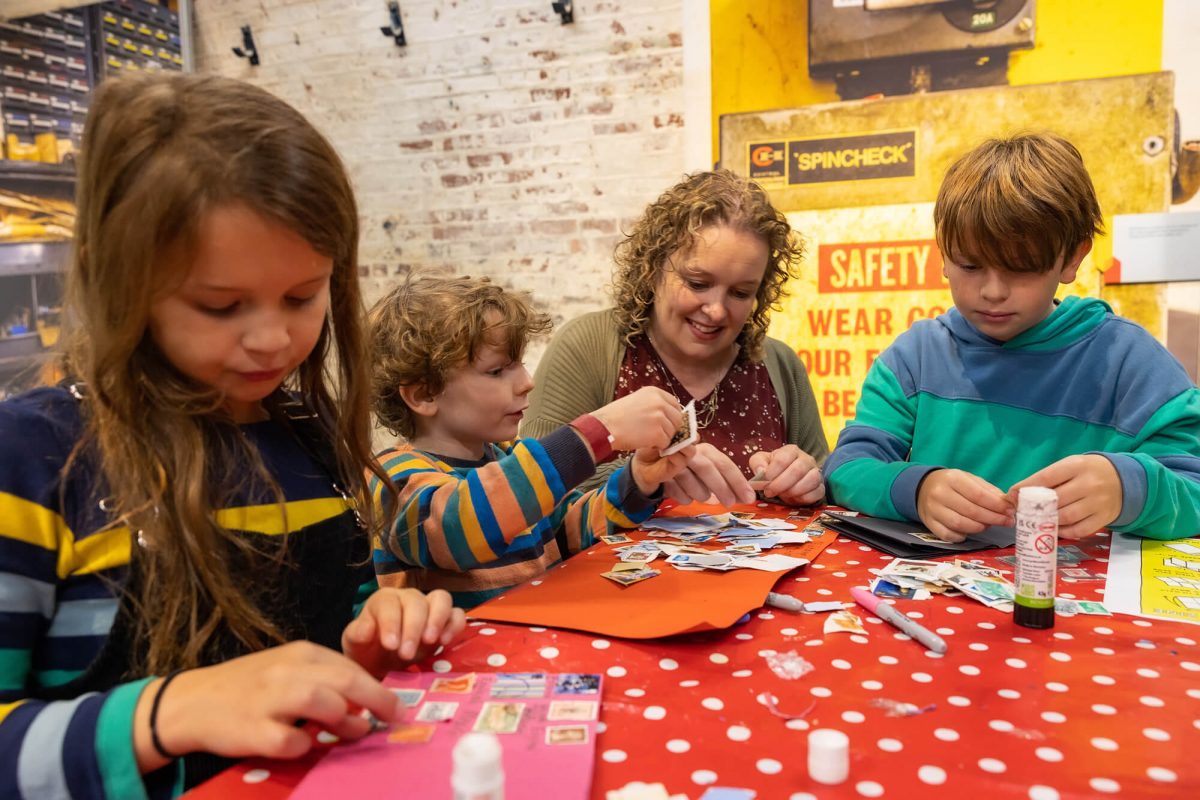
(790,632)
(858,638)
(1161,774)
(957,700)
(945,631)
(654,712)
(954,609)
(915,614)
(635,692)
(601,726)
(689,684)
(853,717)
(536,629)
(601,644)
(992,765)
(1103,631)
(1106,785)
(679,745)
(496,660)
(1146,672)
(1015,663)
(797,724)
(614,756)
(668,664)
(441,665)
(821,691)
(1104,651)
(1022,640)
(840,663)
(977,646)
(1142,623)
(1194,694)
(548,652)
(256,776)
(325,737)
(1100,743)
(719,658)
(934,776)
(968,669)
(872,686)
(765,653)
(1002,725)
(888,660)
(825,592)
(487,631)
(1102,708)
(1040,792)
(712,703)
(616,672)
(802,796)
(1157,734)
(766,615)
(1152,702)
(1049,754)
(814,643)
(1055,686)
(1057,656)
(922,677)
(1009,694)
(742,673)
(946,734)
(768,766)
(738,733)
(1103,680)
(1053,716)
(1185,640)
(902,637)
(868,789)
(890,745)
(1145,644)
(745,637)
(1063,635)
(987,626)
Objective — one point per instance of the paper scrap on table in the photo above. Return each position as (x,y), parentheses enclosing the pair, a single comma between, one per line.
(822,606)
(642,791)
(980,582)
(843,622)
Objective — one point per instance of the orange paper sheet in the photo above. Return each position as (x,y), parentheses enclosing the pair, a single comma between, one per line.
(573,595)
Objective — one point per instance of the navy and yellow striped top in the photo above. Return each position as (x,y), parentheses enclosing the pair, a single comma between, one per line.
(476,529)
(61,566)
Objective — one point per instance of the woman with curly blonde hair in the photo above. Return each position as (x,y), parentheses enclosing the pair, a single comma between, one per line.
(694,286)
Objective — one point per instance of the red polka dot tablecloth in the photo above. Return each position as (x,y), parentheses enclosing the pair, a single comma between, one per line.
(1096,706)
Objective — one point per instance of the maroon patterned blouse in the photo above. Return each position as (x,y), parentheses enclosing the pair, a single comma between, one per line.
(740,417)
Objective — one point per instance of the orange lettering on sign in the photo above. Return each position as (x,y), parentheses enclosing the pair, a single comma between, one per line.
(879,266)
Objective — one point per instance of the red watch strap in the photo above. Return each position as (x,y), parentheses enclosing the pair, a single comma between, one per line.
(596,435)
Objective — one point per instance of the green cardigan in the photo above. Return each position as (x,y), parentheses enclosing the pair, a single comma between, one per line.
(578,374)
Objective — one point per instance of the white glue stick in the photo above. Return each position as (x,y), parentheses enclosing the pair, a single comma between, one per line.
(1037,557)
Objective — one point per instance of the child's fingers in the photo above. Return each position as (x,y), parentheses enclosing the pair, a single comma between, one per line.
(411,625)
(441,606)
(458,621)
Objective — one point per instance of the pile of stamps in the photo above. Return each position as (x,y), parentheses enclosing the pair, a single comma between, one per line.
(743,541)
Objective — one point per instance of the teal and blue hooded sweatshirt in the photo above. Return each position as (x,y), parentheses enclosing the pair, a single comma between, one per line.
(1081,381)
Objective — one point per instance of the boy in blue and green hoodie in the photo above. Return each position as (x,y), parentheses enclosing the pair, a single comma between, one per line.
(1012,388)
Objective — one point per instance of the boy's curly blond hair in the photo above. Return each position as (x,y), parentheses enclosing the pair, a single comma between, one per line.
(429,325)
(671,223)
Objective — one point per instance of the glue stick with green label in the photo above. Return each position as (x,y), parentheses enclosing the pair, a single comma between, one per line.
(1037,556)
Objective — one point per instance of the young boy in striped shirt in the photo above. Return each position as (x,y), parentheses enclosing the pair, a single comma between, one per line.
(479,509)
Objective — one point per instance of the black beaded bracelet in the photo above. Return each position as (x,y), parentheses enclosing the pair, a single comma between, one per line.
(162,751)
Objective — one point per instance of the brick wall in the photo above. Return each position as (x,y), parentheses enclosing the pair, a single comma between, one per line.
(498,142)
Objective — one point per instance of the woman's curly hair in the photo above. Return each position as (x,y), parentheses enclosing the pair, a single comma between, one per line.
(429,325)
(671,223)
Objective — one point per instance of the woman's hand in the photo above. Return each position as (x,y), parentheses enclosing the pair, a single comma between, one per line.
(788,474)
(399,626)
(710,476)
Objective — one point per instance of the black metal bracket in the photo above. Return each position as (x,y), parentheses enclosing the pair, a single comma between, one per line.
(248,48)
(565,9)
(396,29)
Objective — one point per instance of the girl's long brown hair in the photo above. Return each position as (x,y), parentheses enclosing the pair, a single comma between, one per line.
(158,153)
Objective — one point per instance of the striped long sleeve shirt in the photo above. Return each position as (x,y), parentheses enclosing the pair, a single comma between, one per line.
(479,528)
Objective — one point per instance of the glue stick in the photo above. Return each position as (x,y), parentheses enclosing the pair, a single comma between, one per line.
(1037,557)
(478,773)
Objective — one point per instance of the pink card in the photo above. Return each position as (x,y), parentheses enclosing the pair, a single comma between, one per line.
(545,721)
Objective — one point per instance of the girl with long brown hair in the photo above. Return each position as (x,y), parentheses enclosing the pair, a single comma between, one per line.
(184,528)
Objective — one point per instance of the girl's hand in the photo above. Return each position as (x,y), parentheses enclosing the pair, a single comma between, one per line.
(789,474)
(954,504)
(249,706)
(651,470)
(399,626)
(1089,493)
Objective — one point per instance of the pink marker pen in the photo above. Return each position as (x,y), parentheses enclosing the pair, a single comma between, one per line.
(904,623)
